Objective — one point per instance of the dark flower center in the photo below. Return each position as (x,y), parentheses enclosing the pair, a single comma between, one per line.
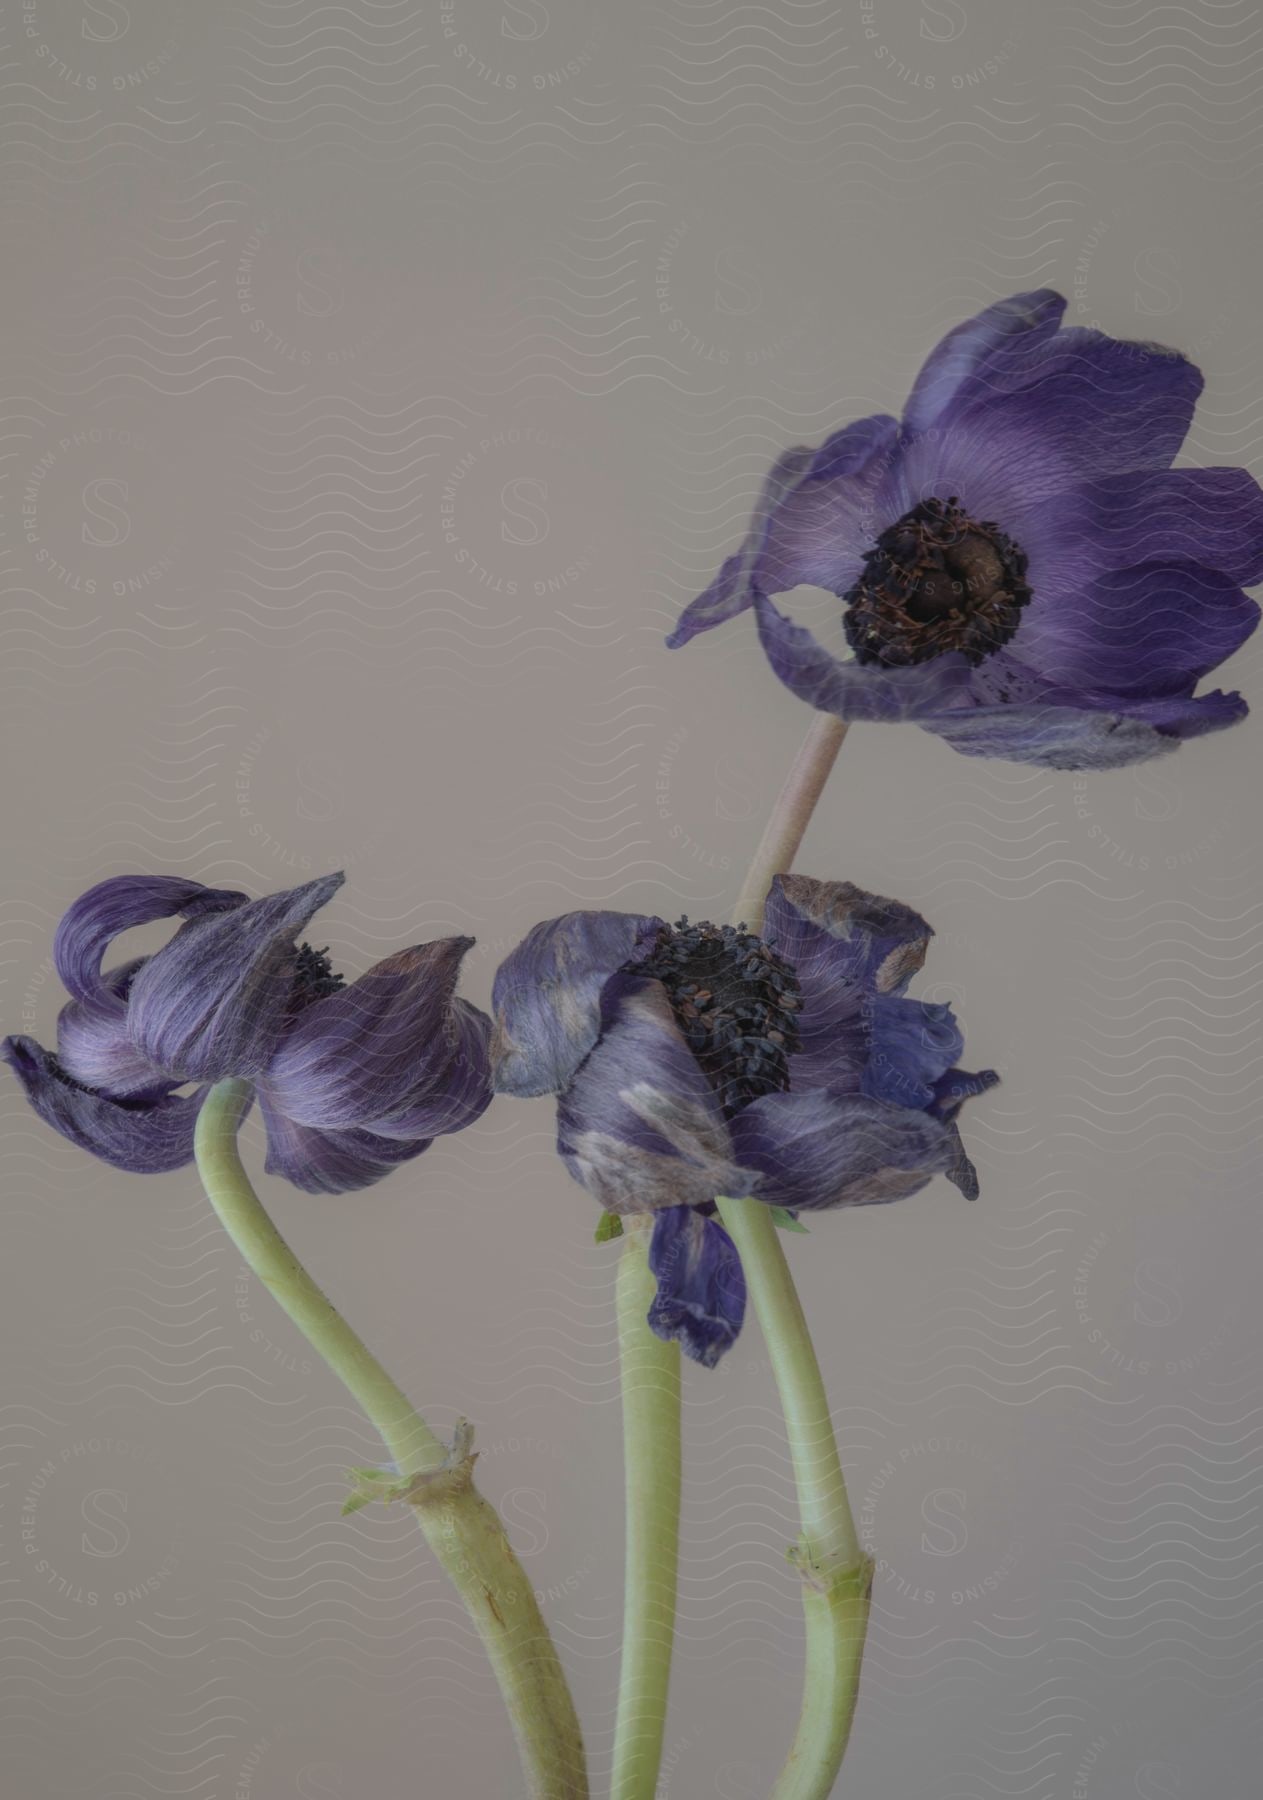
(936,580)
(735,1001)
(314,977)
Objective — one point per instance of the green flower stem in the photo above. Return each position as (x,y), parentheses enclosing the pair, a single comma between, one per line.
(461,1527)
(650,1375)
(837,1577)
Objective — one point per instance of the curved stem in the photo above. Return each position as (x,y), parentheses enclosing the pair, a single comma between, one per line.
(461,1527)
(837,1577)
(650,1375)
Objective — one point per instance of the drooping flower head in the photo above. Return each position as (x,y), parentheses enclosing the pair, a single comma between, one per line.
(1021,569)
(351,1080)
(692,1061)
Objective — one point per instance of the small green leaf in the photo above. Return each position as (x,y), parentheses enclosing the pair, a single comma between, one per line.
(611,1226)
(354,1502)
(786,1220)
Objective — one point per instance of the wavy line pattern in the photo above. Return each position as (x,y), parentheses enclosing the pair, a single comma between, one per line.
(379,381)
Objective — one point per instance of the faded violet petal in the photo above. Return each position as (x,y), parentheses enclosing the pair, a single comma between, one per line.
(330,1162)
(836,934)
(640,1126)
(212,1002)
(701,1297)
(115,906)
(1053,736)
(815,1150)
(546,999)
(146,1138)
(1178,718)
(370,1049)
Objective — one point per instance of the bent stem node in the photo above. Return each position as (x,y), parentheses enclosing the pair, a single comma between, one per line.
(461,1527)
(837,1576)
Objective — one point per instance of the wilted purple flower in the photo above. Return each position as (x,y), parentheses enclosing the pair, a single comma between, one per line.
(693,1061)
(1023,571)
(350,1080)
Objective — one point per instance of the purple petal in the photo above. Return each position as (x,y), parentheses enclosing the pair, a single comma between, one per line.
(640,1126)
(94,1049)
(379,1047)
(912,1045)
(1093,407)
(213,1001)
(115,906)
(850,690)
(1055,736)
(814,1150)
(975,359)
(546,999)
(1209,517)
(811,524)
(701,1297)
(330,1162)
(1142,632)
(145,1138)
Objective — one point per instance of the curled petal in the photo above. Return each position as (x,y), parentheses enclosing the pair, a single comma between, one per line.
(94,1049)
(213,1002)
(376,1047)
(145,1137)
(453,1095)
(851,690)
(814,1150)
(912,1045)
(953,1088)
(838,935)
(115,906)
(701,1297)
(640,1126)
(330,1162)
(811,524)
(546,999)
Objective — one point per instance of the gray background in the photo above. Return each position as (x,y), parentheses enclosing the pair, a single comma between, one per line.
(402,369)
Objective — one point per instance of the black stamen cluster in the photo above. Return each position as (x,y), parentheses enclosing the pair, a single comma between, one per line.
(735,1001)
(936,580)
(314,977)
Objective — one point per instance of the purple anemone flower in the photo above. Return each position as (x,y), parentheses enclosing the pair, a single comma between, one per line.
(350,1080)
(1022,570)
(692,1061)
